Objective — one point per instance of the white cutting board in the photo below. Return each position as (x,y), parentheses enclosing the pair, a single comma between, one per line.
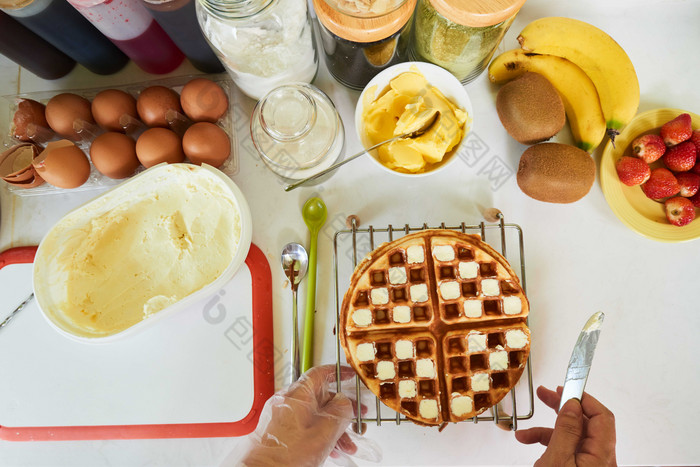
(194,367)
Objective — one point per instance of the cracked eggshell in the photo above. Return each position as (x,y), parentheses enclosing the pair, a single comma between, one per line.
(63,164)
(28,112)
(16,166)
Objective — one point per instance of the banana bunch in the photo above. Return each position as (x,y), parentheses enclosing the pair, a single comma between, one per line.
(591,72)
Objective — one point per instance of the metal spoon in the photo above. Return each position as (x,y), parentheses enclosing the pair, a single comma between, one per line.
(314,213)
(414,132)
(7,320)
(295,262)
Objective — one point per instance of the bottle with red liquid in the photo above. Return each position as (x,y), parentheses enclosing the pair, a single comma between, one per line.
(30,51)
(130,27)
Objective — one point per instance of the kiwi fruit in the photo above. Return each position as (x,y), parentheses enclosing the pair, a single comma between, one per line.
(530,108)
(556,173)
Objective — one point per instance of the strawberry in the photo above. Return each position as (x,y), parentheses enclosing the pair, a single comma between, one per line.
(679,211)
(695,138)
(696,167)
(680,158)
(695,199)
(677,130)
(661,184)
(689,182)
(649,148)
(632,171)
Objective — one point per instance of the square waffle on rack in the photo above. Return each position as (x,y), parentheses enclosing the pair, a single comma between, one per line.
(434,325)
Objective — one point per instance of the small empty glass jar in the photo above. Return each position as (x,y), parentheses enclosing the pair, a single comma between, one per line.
(297,131)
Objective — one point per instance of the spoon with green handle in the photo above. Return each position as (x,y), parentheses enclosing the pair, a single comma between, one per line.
(314,213)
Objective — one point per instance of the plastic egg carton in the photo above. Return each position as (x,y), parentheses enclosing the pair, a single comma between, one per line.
(97,180)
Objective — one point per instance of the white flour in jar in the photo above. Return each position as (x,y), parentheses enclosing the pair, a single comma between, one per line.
(263,53)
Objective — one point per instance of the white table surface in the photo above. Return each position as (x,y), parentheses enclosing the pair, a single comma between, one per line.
(580,259)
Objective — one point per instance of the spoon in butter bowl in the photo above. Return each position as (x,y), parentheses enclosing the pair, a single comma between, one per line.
(423,125)
(314,213)
(295,262)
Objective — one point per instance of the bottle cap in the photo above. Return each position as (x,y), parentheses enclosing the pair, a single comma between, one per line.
(363,28)
(14,4)
(477,13)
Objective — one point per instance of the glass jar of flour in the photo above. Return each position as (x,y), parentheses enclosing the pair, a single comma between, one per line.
(262,43)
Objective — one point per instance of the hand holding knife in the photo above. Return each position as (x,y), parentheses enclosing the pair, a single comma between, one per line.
(581,359)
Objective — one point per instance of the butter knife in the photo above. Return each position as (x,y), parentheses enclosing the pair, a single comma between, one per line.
(581,359)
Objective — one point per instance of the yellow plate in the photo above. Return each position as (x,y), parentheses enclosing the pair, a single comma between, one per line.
(629,203)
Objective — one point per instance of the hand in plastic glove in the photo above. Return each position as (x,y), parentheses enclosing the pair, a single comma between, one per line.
(301,425)
(583,435)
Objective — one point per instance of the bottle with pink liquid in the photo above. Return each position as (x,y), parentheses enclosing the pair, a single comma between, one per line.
(128,24)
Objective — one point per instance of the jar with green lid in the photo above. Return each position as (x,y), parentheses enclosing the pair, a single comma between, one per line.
(461,35)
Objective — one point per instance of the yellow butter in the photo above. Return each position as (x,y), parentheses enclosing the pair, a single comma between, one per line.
(408,100)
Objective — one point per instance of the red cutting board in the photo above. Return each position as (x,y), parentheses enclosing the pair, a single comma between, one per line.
(204,372)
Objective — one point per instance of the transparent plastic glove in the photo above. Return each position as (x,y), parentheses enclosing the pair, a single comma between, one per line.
(303,425)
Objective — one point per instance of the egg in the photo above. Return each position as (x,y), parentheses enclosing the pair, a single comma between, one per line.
(64,109)
(203,100)
(114,154)
(206,143)
(29,112)
(110,105)
(63,164)
(16,166)
(153,103)
(157,145)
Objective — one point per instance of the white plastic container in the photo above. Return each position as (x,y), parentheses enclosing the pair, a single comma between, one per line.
(47,282)
(437,77)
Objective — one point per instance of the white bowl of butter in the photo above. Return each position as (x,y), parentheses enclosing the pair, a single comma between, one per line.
(150,247)
(398,94)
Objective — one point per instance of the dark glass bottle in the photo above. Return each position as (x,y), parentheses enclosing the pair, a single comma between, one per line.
(179,19)
(30,51)
(59,24)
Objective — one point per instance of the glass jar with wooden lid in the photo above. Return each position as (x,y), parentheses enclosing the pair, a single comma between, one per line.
(461,35)
(362,38)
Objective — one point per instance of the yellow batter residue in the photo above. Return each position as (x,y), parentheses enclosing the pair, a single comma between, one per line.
(408,99)
(144,255)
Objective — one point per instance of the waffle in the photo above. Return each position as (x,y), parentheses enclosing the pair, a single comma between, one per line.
(434,325)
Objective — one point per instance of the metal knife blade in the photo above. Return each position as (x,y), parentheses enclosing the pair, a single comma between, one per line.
(581,359)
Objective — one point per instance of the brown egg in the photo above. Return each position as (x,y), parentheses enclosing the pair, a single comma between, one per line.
(203,100)
(16,166)
(114,155)
(109,105)
(64,109)
(157,145)
(206,143)
(63,164)
(154,101)
(29,112)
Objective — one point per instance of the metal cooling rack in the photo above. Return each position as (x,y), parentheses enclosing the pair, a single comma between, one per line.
(352,244)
